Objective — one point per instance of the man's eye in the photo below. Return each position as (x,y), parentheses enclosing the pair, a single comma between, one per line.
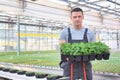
(74,17)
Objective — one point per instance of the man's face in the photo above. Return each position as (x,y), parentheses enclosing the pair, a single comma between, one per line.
(77,18)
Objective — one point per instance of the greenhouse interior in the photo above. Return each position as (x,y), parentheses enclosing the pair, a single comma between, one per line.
(30,32)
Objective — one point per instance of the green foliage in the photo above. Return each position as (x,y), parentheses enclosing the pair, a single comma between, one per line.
(6,69)
(13,70)
(65,48)
(91,48)
(21,72)
(30,73)
(53,59)
(51,76)
(36,58)
(1,68)
(75,49)
(40,75)
(84,48)
(101,48)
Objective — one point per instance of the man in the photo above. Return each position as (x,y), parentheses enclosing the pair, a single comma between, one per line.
(74,34)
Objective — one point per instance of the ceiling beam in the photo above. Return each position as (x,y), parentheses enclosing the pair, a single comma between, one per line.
(117,13)
(102,7)
(114,2)
(98,1)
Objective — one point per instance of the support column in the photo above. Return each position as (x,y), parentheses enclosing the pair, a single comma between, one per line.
(18,37)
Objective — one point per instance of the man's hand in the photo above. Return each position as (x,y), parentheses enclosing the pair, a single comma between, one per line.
(62,41)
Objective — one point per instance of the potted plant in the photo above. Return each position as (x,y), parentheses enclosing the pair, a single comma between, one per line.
(98,48)
(106,56)
(91,50)
(13,70)
(102,49)
(1,68)
(92,55)
(6,69)
(40,75)
(29,73)
(21,72)
(51,77)
(105,51)
(76,51)
(65,52)
(84,51)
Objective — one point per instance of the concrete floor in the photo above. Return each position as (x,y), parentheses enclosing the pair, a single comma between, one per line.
(57,71)
(105,77)
(15,76)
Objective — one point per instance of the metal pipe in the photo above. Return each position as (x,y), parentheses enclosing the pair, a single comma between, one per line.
(117,14)
(18,37)
(113,2)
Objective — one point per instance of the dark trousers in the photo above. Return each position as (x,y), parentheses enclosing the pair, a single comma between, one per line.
(77,70)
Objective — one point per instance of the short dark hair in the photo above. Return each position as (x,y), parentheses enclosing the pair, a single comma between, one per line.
(76,10)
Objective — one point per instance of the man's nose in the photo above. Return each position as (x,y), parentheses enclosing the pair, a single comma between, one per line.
(77,18)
